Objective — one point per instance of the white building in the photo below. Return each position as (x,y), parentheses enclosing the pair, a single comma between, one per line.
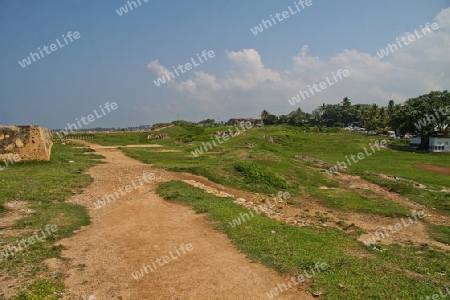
(436,144)
(439,144)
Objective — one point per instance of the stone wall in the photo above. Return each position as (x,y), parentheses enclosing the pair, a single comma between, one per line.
(29,142)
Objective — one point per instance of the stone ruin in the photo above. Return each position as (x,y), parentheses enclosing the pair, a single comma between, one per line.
(157,136)
(229,133)
(28,142)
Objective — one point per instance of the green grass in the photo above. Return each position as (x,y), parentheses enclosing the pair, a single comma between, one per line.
(255,174)
(345,201)
(55,180)
(28,262)
(120,138)
(45,186)
(68,217)
(355,271)
(175,133)
(219,165)
(440,233)
(433,199)
(40,289)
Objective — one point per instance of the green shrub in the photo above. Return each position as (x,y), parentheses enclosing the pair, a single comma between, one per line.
(258,175)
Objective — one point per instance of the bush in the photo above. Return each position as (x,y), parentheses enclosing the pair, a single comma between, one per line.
(256,174)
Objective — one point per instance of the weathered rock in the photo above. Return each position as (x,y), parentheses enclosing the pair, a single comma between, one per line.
(29,142)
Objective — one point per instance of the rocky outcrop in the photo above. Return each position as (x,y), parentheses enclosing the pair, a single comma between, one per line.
(29,142)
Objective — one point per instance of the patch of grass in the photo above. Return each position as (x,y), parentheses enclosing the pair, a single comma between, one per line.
(351,201)
(440,233)
(175,133)
(433,199)
(120,138)
(45,186)
(29,261)
(40,289)
(68,217)
(55,180)
(355,271)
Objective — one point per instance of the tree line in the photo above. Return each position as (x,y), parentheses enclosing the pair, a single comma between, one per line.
(424,116)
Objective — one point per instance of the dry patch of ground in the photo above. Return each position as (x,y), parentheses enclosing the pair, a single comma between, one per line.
(16,211)
(436,169)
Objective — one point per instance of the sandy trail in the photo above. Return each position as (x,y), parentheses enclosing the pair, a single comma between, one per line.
(140,227)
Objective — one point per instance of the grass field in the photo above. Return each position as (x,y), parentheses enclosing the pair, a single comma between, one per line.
(45,186)
(221,165)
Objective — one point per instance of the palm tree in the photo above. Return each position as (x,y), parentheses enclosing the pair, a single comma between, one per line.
(390,111)
(346,102)
(264,115)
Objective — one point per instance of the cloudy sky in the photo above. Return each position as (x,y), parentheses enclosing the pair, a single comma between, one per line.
(119,58)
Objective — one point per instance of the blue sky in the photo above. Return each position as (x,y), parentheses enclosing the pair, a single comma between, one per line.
(117,58)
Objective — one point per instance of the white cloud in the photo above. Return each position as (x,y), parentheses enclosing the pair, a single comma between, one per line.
(248,86)
(443,18)
(157,67)
(249,71)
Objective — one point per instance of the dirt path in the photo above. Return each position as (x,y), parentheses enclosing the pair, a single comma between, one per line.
(140,227)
